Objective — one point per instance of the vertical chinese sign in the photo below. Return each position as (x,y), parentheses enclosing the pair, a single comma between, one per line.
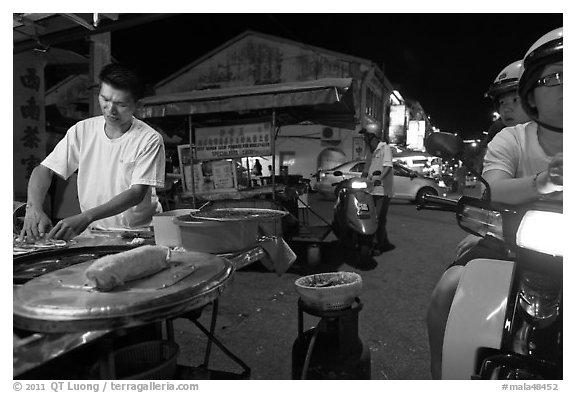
(29,131)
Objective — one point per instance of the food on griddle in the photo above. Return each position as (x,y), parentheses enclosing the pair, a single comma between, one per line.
(114,270)
(25,245)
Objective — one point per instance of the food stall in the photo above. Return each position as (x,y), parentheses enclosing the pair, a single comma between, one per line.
(237,122)
(49,327)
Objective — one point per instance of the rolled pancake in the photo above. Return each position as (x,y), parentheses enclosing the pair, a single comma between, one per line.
(114,270)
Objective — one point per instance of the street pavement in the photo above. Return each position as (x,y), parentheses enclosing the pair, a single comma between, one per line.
(257,319)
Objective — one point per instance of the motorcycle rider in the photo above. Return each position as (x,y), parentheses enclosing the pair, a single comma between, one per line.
(523,163)
(504,95)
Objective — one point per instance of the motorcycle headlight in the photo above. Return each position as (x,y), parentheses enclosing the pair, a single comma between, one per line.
(542,231)
(358,185)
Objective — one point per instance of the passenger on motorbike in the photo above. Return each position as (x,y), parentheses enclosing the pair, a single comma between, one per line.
(523,164)
(504,95)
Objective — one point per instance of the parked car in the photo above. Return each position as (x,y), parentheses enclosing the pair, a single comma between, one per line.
(408,184)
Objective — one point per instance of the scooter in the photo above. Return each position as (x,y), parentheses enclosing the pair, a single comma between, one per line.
(506,317)
(355,218)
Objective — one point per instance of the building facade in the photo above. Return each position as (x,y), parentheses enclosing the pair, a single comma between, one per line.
(254,58)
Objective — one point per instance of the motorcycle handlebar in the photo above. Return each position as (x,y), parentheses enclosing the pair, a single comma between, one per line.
(433,200)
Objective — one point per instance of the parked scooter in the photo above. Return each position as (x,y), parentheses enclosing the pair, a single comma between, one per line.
(506,318)
(355,218)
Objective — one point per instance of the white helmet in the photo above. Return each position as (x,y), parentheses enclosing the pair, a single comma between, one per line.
(506,81)
(546,50)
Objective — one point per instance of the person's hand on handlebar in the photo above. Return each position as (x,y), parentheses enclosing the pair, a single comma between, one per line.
(556,169)
(552,179)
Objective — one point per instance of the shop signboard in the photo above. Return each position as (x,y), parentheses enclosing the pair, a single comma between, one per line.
(244,140)
(358,148)
(209,176)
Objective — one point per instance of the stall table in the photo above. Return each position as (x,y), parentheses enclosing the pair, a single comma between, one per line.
(34,349)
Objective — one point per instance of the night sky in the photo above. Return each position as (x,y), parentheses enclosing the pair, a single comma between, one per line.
(444,61)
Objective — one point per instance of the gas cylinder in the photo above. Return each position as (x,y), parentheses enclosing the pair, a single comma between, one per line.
(332,349)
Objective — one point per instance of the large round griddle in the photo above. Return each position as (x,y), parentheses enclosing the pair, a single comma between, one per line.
(35,264)
(61,301)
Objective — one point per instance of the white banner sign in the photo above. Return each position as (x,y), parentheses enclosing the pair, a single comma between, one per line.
(246,140)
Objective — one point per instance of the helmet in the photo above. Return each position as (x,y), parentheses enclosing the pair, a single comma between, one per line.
(506,81)
(547,50)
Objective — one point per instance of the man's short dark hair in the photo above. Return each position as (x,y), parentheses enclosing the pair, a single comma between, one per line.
(121,77)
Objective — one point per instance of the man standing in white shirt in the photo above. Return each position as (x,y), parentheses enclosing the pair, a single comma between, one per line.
(119,159)
(380,159)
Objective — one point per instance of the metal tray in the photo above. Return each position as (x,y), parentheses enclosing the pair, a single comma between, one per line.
(59,301)
(252,214)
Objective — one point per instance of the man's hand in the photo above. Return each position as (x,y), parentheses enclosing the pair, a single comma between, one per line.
(466,244)
(552,179)
(556,169)
(36,224)
(70,227)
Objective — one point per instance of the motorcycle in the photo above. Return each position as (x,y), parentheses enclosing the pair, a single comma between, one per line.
(355,218)
(505,321)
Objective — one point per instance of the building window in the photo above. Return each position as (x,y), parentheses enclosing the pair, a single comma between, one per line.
(373,105)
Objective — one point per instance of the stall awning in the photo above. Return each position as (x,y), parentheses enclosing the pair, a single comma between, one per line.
(323,101)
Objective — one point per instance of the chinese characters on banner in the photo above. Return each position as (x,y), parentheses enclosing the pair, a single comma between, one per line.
(29,133)
(246,140)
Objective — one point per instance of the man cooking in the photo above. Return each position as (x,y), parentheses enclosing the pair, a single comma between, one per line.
(119,159)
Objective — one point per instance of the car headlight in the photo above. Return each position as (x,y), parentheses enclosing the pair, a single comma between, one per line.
(357,185)
(322,174)
(441,184)
(542,231)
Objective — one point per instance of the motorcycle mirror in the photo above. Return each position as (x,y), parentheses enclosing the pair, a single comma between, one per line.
(337,173)
(444,145)
(448,146)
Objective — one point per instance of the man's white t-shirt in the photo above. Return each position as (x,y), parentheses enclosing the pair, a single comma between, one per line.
(516,151)
(107,167)
(382,157)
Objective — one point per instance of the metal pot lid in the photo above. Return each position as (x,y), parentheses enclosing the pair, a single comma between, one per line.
(61,302)
(238,214)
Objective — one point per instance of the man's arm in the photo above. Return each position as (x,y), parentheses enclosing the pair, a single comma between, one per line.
(506,189)
(36,221)
(385,172)
(73,226)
